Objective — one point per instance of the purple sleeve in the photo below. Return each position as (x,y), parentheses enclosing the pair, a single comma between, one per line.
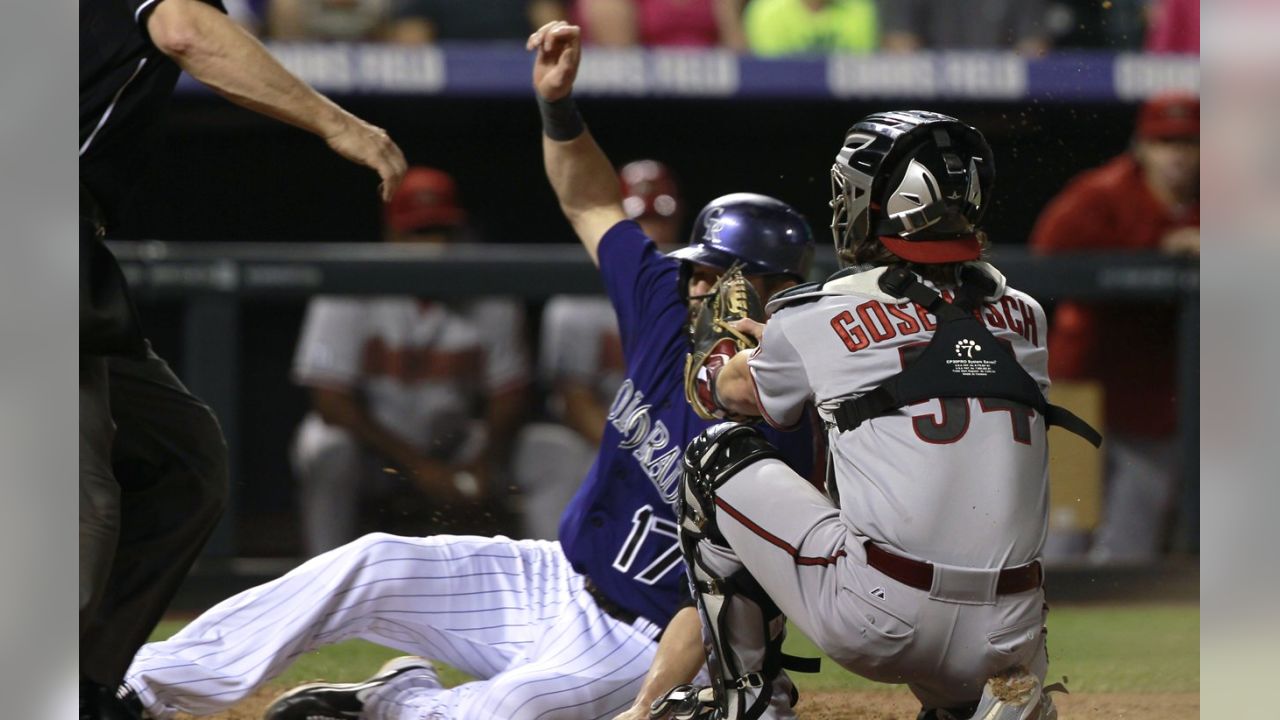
(641,282)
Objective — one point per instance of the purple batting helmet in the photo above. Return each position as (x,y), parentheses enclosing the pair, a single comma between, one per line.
(766,235)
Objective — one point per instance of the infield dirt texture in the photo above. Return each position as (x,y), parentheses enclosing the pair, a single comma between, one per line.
(1129,662)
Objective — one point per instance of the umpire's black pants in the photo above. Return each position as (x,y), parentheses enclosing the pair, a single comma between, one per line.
(153,483)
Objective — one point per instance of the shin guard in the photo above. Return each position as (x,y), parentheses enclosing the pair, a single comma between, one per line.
(742,628)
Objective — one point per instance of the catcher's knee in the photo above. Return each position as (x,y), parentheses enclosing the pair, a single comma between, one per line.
(710,460)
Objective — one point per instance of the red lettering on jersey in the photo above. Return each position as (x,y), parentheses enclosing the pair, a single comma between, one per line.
(1015,323)
(993,316)
(907,324)
(1030,331)
(925,321)
(852,335)
(872,315)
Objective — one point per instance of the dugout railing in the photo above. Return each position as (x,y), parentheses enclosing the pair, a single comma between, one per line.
(212,280)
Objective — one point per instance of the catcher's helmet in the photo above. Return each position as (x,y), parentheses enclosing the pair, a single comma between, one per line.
(917,180)
(648,190)
(766,235)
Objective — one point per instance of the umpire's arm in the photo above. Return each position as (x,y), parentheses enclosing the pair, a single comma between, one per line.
(581,175)
(213,49)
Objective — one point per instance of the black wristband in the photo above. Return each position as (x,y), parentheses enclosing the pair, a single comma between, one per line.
(560,119)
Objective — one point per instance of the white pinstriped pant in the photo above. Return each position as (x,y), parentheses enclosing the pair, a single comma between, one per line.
(511,612)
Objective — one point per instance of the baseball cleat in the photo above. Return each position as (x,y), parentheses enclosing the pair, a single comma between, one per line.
(345,701)
(1015,695)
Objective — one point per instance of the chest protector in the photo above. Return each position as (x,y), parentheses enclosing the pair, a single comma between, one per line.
(963,360)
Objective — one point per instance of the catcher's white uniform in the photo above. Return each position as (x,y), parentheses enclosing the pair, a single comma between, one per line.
(960,483)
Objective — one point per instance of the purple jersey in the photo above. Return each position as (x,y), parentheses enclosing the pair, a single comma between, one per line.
(620,527)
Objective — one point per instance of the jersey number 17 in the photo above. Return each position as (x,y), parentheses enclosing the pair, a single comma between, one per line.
(644,525)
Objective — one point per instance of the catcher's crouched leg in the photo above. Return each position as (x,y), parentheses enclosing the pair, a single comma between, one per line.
(742,628)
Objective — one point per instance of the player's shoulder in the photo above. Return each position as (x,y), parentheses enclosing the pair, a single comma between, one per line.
(501,312)
(577,306)
(626,237)
(1110,181)
(796,295)
(579,315)
(858,281)
(345,305)
(1022,297)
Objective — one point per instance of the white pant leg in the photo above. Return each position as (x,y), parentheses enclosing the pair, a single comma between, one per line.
(330,467)
(549,464)
(475,603)
(584,665)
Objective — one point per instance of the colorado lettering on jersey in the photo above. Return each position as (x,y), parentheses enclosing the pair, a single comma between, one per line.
(648,440)
(874,321)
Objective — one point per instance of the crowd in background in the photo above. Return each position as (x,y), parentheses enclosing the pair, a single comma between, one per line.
(761,27)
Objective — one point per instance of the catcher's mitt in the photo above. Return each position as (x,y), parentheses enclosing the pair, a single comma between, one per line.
(714,341)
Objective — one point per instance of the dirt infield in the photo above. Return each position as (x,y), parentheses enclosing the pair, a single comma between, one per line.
(899,706)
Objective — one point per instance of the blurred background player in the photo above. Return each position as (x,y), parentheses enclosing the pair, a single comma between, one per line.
(1147,199)
(581,364)
(409,385)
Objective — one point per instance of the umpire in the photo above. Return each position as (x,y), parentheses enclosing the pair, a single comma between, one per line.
(153,463)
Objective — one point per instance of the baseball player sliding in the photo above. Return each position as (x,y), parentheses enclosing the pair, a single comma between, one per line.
(921,566)
(567,629)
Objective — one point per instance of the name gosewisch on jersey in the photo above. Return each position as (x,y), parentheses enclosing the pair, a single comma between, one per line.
(648,439)
(874,321)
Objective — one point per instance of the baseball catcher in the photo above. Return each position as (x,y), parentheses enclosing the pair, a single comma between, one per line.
(921,564)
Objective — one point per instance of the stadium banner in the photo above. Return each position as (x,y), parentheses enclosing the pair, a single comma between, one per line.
(502,71)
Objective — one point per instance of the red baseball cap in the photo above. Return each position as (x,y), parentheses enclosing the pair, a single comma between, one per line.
(949,250)
(648,190)
(1169,116)
(427,198)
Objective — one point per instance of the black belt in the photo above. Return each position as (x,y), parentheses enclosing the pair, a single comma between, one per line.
(919,574)
(610,608)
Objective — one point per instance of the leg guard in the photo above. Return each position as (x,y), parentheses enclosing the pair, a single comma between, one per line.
(742,627)
(713,457)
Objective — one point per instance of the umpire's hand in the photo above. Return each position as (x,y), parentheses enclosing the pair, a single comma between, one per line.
(371,146)
(559,47)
